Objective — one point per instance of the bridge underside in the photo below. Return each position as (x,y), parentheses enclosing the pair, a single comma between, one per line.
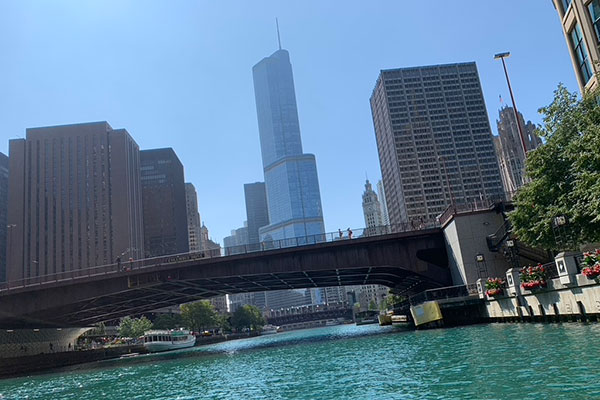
(392,261)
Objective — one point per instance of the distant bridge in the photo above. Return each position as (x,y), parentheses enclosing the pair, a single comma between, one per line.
(408,261)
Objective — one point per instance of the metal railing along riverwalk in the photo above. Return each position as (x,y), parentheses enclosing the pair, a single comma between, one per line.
(444,293)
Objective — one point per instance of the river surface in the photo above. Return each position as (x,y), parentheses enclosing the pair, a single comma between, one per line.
(495,361)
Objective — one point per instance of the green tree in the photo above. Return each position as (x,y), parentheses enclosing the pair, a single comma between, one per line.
(168,321)
(134,327)
(564,176)
(248,317)
(372,305)
(99,329)
(199,316)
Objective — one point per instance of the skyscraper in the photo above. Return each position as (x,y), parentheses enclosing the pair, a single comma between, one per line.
(580,21)
(434,140)
(4,228)
(384,210)
(193,218)
(74,199)
(257,211)
(509,149)
(371,209)
(164,203)
(236,243)
(291,178)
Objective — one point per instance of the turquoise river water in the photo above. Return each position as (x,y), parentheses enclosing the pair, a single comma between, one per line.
(495,361)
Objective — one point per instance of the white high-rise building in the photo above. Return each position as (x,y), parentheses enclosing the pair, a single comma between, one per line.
(371,207)
(385,217)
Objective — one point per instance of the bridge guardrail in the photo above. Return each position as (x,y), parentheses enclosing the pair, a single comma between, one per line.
(444,293)
(131,265)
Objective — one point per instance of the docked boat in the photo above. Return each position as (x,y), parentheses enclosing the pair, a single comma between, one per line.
(269,329)
(384,319)
(163,340)
(400,320)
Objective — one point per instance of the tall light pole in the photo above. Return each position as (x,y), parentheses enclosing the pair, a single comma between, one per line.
(502,56)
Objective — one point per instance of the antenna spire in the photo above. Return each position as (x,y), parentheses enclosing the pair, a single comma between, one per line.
(278,37)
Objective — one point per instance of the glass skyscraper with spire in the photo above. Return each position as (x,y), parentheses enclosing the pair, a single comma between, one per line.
(291,180)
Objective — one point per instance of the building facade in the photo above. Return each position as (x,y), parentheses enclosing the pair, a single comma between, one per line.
(193,218)
(509,149)
(4,228)
(257,210)
(384,210)
(164,203)
(236,243)
(207,244)
(580,21)
(74,198)
(434,140)
(371,209)
(291,180)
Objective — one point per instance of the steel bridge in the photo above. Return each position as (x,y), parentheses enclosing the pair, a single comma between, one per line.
(407,259)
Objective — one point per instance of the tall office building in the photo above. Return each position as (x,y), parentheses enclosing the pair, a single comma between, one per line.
(74,199)
(193,218)
(434,140)
(384,210)
(509,149)
(4,228)
(371,209)
(580,20)
(291,178)
(236,243)
(257,211)
(164,203)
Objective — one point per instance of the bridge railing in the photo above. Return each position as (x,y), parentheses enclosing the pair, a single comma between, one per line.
(444,293)
(130,265)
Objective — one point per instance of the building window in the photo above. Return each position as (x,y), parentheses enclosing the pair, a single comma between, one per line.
(581,54)
(565,5)
(594,9)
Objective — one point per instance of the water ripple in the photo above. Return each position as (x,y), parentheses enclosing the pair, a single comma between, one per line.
(498,361)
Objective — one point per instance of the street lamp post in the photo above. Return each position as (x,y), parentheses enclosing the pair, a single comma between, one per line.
(502,56)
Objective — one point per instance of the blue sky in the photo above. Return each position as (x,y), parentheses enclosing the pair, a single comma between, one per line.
(179,74)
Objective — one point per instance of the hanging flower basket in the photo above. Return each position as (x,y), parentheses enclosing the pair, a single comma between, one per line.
(494,292)
(494,287)
(533,278)
(591,265)
(591,272)
(532,285)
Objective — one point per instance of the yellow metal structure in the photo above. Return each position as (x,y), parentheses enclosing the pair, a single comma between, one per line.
(426,313)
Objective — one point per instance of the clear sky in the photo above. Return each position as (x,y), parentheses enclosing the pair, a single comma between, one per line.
(179,74)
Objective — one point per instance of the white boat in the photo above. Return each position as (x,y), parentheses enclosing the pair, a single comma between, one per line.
(164,340)
(269,329)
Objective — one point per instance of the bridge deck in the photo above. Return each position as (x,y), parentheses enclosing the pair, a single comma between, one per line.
(407,262)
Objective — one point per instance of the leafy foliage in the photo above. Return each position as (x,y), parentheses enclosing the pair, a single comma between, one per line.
(247,317)
(134,327)
(494,283)
(199,316)
(564,176)
(168,321)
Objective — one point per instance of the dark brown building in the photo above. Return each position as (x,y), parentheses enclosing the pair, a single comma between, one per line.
(75,199)
(164,203)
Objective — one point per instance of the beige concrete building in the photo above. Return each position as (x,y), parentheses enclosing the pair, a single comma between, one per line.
(434,140)
(74,198)
(580,20)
